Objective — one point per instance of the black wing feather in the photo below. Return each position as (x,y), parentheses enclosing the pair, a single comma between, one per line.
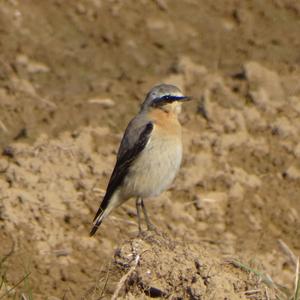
(122,166)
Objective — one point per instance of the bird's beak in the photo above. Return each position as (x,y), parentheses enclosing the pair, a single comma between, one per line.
(184,98)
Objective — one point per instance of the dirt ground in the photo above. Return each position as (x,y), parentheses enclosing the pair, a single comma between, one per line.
(72,74)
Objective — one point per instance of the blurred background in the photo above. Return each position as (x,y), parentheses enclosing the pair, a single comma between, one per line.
(73,73)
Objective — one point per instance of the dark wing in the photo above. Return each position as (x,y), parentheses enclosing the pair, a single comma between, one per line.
(131,147)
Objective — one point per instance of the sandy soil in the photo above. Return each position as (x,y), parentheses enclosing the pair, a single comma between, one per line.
(73,74)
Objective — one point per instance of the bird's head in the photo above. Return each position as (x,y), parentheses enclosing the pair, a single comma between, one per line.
(166,97)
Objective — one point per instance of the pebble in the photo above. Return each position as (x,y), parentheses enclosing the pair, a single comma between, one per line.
(104,102)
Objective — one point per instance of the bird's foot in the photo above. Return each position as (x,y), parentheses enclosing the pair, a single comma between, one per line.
(151,227)
(140,233)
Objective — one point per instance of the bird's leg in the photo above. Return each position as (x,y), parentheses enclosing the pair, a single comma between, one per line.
(138,204)
(150,226)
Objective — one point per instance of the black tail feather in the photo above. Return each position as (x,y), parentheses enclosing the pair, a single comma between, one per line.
(97,220)
(98,213)
(95,227)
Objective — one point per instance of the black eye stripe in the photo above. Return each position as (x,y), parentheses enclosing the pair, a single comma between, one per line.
(160,101)
(170,97)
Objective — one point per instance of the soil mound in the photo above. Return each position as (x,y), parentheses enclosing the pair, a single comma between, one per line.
(158,267)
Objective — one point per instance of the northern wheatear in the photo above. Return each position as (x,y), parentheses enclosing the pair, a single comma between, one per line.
(149,155)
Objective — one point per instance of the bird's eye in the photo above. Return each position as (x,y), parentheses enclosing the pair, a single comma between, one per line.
(162,100)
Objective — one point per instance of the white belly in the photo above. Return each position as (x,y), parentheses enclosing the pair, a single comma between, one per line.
(154,170)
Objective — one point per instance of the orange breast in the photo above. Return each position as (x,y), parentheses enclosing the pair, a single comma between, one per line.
(166,122)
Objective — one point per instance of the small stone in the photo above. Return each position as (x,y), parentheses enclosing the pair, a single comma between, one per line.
(22,59)
(37,67)
(228,25)
(31,65)
(105,103)
(292,173)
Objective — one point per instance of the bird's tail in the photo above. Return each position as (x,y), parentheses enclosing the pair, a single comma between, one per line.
(105,208)
(97,221)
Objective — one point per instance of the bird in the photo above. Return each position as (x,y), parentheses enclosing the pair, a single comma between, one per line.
(149,155)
